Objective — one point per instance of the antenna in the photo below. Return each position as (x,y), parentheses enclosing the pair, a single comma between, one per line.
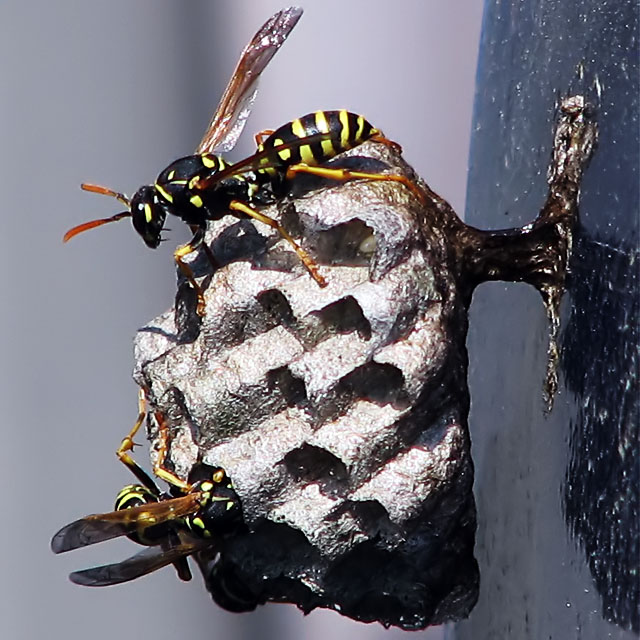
(92,224)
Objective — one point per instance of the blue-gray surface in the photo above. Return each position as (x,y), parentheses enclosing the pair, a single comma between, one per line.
(111,91)
(557,497)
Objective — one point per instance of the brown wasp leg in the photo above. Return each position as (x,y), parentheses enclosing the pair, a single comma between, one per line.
(261,136)
(128,444)
(163,447)
(185,250)
(347,174)
(308,262)
(382,139)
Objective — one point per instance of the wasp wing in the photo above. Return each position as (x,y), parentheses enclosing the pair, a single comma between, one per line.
(234,108)
(138,565)
(105,526)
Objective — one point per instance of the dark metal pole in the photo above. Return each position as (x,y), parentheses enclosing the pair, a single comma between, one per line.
(557,495)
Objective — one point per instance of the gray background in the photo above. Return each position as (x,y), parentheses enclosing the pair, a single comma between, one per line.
(111,92)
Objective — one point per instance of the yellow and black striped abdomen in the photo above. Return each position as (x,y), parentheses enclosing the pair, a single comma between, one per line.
(135,495)
(315,138)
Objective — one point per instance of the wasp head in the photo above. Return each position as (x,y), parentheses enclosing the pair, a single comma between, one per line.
(148,215)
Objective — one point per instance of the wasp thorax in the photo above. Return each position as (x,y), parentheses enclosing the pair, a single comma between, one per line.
(148,215)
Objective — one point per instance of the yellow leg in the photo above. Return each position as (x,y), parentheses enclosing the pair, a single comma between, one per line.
(347,174)
(163,447)
(128,443)
(306,259)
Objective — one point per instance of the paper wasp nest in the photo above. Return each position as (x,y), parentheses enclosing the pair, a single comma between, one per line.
(340,414)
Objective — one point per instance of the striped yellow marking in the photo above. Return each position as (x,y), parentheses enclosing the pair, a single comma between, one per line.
(148,213)
(171,174)
(285,154)
(133,493)
(327,149)
(130,488)
(298,129)
(209,161)
(178,181)
(321,122)
(306,154)
(198,522)
(360,129)
(163,192)
(196,201)
(344,131)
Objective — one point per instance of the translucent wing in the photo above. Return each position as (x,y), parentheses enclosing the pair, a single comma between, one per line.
(105,526)
(234,108)
(140,564)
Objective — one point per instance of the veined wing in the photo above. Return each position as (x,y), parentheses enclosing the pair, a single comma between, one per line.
(106,526)
(234,108)
(138,565)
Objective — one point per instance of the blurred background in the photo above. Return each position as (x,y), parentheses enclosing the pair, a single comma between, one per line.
(111,92)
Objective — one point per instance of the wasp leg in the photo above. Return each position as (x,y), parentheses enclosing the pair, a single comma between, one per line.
(205,247)
(347,174)
(306,259)
(382,139)
(181,565)
(163,447)
(128,444)
(185,250)
(159,470)
(261,136)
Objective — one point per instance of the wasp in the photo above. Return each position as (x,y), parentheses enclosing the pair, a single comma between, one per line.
(173,527)
(174,524)
(203,187)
